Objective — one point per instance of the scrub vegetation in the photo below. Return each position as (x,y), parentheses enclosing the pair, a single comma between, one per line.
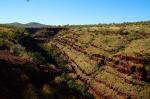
(109,61)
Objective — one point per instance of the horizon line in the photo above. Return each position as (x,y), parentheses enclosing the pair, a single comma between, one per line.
(77,24)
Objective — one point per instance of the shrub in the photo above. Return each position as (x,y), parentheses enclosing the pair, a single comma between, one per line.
(1,42)
(81,88)
(3,35)
(133,35)
(36,56)
(123,31)
(16,35)
(56,57)
(133,77)
(5,44)
(136,34)
(17,50)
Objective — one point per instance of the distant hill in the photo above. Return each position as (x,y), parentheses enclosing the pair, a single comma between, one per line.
(31,24)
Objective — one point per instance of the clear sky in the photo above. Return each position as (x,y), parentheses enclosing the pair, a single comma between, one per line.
(56,12)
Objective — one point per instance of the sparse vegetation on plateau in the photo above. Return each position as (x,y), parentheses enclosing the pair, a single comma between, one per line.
(75,61)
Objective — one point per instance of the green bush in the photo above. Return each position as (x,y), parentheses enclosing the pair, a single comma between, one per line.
(16,35)
(133,77)
(136,34)
(5,42)
(133,35)
(3,35)
(17,50)
(81,88)
(56,57)
(36,56)
(123,31)
(1,42)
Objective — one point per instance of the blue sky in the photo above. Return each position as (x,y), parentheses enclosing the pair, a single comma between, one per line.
(57,12)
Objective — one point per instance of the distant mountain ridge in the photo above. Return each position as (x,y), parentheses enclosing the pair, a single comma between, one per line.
(28,25)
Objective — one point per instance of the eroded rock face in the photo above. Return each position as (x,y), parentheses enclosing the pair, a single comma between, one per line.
(114,75)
